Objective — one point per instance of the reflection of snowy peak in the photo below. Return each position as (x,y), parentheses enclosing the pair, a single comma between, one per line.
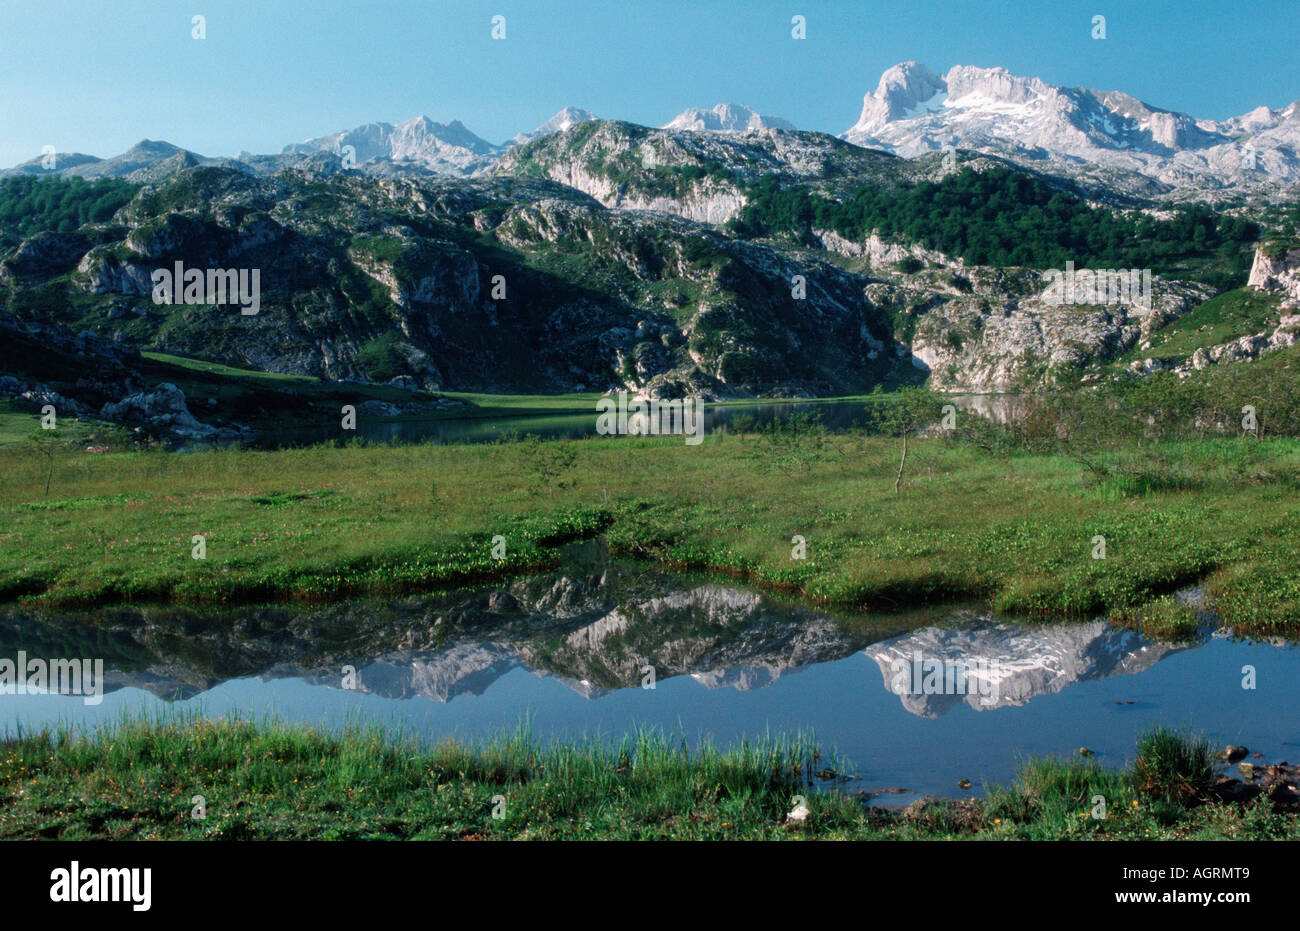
(718,635)
(593,627)
(463,669)
(1015,663)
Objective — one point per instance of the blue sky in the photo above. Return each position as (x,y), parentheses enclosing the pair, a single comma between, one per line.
(99,76)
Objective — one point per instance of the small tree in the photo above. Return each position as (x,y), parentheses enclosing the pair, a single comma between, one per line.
(46,444)
(901,414)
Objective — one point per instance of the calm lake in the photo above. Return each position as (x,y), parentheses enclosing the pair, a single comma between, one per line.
(836,414)
(569,652)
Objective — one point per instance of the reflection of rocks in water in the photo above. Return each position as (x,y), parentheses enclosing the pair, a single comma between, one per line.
(463,669)
(1009,665)
(719,635)
(594,628)
(999,408)
(742,678)
(170,687)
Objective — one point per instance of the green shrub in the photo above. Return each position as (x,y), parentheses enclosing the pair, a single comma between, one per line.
(382,358)
(1173,766)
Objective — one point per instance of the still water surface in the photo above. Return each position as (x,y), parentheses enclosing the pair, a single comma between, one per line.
(568,650)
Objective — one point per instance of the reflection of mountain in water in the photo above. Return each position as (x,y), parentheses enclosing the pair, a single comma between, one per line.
(1016,663)
(462,669)
(594,626)
(582,633)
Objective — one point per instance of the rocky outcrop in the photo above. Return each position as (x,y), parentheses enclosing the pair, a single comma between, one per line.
(519,282)
(881,253)
(38,394)
(1276,268)
(1245,348)
(162,409)
(509,284)
(104,270)
(987,342)
(698,175)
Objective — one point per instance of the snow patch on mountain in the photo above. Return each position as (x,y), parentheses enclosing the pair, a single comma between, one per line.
(913,111)
(725,118)
(441,148)
(566,118)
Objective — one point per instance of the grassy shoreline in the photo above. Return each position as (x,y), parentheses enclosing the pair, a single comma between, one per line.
(1018,531)
(141,779)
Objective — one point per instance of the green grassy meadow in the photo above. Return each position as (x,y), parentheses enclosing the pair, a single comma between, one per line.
(326,521)
(140,778)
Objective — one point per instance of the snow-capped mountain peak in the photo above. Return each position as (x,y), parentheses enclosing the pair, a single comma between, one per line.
(913,111)
(905,90)
(566,118)
(725,118)
(442,148)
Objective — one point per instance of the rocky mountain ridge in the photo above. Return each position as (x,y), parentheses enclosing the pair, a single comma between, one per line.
(726,118)
(912,110)
(1101,138)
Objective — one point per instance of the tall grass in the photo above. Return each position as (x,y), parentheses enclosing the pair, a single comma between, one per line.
(142,778)
(270,779)
(1173,766)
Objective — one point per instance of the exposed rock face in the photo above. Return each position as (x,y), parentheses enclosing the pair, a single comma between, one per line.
(162,408)
(631,167)
(980,342)
(519,281)
(991,110)
(100,271)
(471,285)
(880,252)
(441,148)
(905,91)
(1277,270)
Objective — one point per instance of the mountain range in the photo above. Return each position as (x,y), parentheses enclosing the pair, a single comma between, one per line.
(912,111)
(731,259)
(1104,136)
